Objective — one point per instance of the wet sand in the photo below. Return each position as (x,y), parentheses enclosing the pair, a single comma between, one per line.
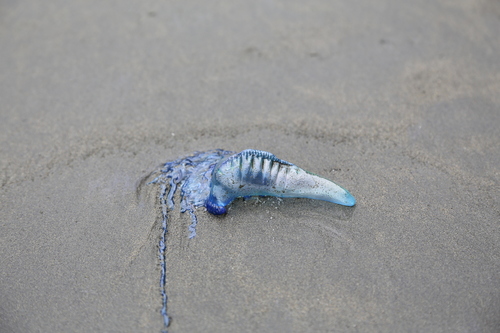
(397,102)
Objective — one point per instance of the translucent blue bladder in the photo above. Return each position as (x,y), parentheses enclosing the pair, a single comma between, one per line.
(255,172)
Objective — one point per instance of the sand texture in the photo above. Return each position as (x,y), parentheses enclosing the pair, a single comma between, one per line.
(397,101)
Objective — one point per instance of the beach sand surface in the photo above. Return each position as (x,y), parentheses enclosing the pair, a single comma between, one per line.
(398,102)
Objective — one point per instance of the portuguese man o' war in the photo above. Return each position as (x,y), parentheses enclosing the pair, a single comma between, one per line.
(216,177)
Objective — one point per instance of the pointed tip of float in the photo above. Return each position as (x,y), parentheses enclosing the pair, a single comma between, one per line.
(349,200)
